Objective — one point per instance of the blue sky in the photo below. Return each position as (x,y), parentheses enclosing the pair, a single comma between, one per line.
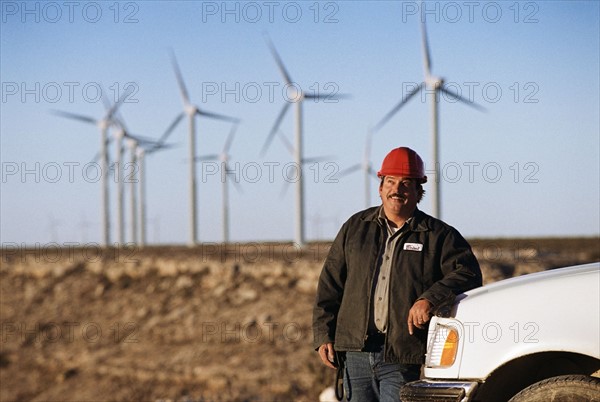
(528,166)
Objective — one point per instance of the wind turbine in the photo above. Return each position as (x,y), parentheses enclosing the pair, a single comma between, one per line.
(296,96)
(192,110)
(223,157)
(433,85)
(366,167)
(103,124)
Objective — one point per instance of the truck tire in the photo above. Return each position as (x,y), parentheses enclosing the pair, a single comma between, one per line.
(564,388)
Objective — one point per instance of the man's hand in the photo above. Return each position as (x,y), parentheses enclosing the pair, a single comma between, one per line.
(327,354)
(418,314)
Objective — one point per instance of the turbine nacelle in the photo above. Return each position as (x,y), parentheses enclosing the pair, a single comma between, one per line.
(119,134)
(103,124)
(434,82)
(190,110)
(294,94)
(132,143)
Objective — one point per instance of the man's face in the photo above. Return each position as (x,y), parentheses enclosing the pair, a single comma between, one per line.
(399,195)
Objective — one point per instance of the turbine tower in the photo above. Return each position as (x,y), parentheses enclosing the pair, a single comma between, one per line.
(192,110)
(133,145)
(296,96)
(119,136)
(433,85)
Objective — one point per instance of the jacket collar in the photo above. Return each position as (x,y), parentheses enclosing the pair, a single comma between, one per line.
(418,223)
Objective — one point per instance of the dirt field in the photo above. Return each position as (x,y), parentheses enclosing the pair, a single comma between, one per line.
(187,324)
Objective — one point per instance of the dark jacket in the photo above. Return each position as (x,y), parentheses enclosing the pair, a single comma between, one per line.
(444,267)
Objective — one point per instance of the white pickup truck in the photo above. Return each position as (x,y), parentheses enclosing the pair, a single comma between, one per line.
(531,338)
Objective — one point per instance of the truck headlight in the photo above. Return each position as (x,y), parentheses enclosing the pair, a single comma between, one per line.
(443,346)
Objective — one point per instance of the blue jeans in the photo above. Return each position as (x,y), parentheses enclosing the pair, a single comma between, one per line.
(368,378)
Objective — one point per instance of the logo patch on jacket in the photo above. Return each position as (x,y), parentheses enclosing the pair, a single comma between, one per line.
(413,246)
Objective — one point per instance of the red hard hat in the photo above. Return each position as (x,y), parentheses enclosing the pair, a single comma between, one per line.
(403,162)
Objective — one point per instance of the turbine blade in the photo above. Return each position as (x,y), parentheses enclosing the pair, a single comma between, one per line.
(368,144)
(236,184)
(170,129)
(210,157)
(96,158)
(159,147)
(326,97)
(105,100)
(141,139)
(347,171)
(285,141)
(217,116)
(372,172)
(238,187)
(229,139)
(275,128)
(119,122)
(282,70)
(115,107)
(75,116)
(318,159)
(462,99)
(284,189)
(98,155)
(392,112)
(426,54)
(180,83)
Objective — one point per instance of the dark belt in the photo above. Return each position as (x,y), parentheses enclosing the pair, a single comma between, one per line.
(374,342)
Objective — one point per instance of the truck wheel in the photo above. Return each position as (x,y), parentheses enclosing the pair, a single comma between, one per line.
(564,388)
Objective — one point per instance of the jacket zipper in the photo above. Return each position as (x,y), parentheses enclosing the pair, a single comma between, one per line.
(399,242)
(369,301)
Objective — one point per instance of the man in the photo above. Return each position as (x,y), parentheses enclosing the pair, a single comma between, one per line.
(389,268)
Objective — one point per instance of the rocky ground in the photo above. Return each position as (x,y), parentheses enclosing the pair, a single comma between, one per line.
(187,324)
